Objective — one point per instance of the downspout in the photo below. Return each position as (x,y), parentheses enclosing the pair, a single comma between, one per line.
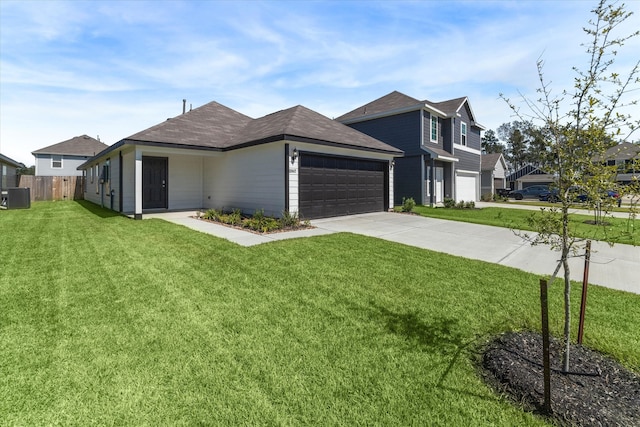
(453,165)
(432,183)
(423,177)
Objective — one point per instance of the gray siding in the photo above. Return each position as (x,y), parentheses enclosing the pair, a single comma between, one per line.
(408,179)
(8,176)
(446,135)
(468,161)
(426,120)
(401,131)
(69,165)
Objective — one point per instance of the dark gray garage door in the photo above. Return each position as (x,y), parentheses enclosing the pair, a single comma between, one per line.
(334,186)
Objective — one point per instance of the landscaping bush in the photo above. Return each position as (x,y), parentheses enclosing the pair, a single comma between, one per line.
(449,202)
(260,222)
(408,204)
(289,220)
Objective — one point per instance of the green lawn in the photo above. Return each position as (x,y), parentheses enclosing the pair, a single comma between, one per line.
(109,321)
(619,230)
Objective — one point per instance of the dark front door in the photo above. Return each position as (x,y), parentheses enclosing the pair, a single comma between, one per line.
(154,182)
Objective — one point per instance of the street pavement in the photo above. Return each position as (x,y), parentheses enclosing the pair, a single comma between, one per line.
(616,267)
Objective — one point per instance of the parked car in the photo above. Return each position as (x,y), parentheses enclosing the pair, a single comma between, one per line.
(578,195)
(532,192)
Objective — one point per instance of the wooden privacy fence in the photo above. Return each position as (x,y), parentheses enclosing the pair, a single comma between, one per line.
(53,187)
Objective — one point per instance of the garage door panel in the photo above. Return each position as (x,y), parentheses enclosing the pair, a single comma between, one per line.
(466,187)
(333,186)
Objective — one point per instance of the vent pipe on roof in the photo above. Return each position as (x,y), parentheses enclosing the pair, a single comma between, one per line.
(184,106)
(190,107)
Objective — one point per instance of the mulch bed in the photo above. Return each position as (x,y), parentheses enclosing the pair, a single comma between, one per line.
(597,392)
(238,227)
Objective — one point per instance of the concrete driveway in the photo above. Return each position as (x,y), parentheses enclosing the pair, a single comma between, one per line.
(616,267)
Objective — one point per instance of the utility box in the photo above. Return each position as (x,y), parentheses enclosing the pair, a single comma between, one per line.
(16,198)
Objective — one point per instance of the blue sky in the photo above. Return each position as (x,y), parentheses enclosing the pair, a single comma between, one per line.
(113,68)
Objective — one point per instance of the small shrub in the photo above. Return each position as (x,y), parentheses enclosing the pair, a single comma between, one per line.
(289,220)
(487,197)
(408,204)
(449,202)
(460,204)
(211,214)
(260,222)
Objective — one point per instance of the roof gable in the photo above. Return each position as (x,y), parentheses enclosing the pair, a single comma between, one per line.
(489,161)
(82,145)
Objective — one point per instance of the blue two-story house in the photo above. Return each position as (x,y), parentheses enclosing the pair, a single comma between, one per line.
(441,142)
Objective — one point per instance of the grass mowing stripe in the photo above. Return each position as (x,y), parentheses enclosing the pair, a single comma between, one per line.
(619,230)
(159,324)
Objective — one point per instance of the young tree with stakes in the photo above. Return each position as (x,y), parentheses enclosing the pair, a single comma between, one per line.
(579,125)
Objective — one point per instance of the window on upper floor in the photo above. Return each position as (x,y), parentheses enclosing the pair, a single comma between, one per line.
(434,128)
(463,133)
(56,161)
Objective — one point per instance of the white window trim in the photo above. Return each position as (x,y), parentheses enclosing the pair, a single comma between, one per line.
(431,128)
(465,134)
(468,149)
(54,161)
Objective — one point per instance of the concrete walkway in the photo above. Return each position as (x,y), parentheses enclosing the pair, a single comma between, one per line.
(616,267)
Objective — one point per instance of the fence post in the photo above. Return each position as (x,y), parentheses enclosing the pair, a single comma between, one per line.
(546,366)
(585,283)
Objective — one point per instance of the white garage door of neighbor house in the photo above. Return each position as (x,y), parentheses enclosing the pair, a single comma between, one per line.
(466,188)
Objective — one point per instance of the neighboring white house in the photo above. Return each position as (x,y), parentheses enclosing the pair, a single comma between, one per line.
(294,160)
(494,173)
(63,158)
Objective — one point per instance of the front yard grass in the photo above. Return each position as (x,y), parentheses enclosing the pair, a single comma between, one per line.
(107,320)
(618,230)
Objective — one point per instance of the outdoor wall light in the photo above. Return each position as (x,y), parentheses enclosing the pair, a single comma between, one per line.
(392,164)
(294,155)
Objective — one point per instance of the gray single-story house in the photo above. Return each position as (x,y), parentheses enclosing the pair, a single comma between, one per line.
(494,173)
(294,160)
(8,172)
(63,158)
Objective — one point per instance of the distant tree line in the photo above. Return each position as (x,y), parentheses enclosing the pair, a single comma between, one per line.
(522,143)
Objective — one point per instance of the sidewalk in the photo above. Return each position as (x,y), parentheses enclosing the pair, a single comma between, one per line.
(616,267)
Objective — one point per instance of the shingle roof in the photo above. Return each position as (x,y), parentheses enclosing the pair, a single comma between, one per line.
(302,122)
(9,161)
(392,101)
(398,101)
(623,151)
(450,107)
(488,161)
(212,125)
(82,145)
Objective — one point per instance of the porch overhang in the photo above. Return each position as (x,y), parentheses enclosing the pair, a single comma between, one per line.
(441,155)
